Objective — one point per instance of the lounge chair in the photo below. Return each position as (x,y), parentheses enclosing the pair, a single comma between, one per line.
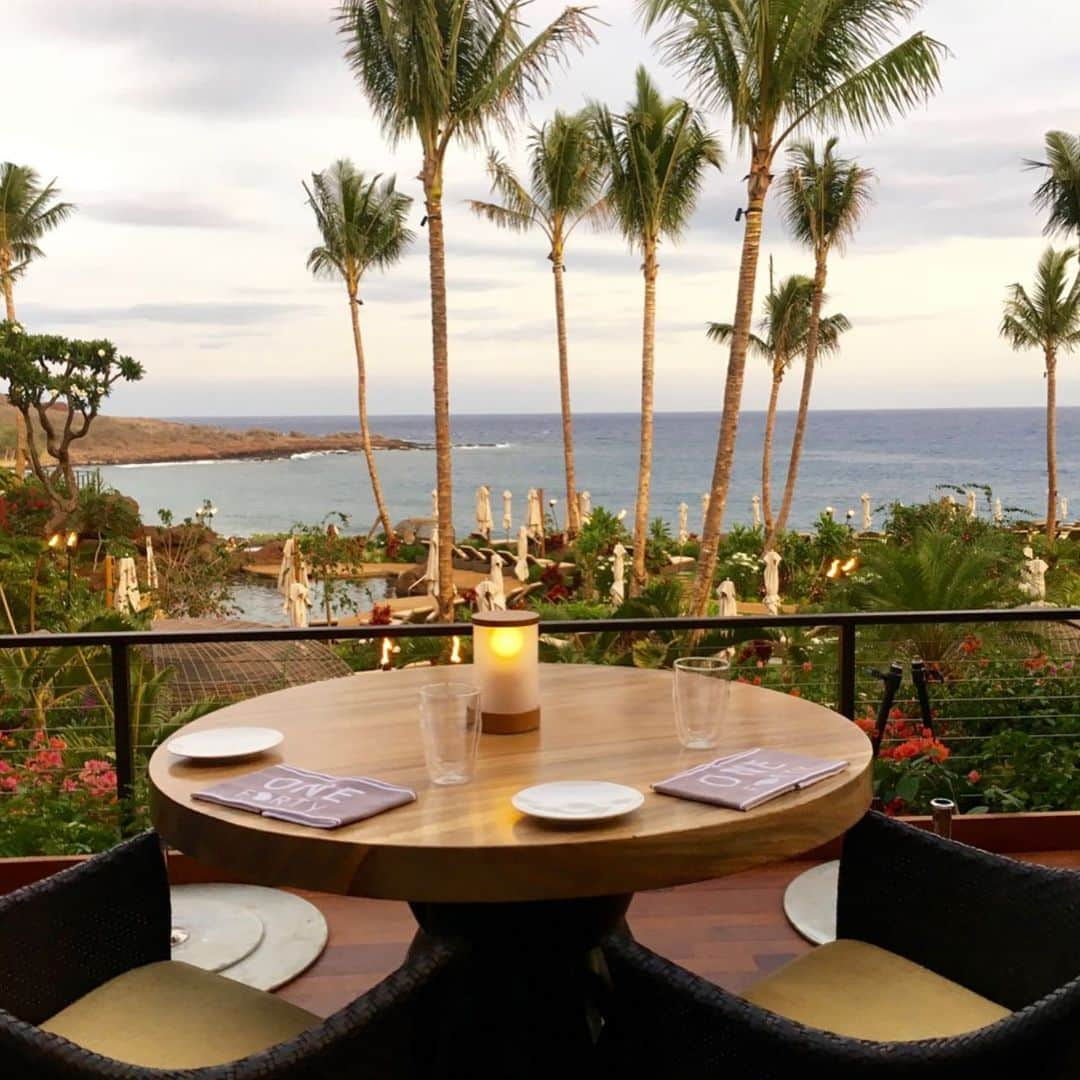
(951,963)
(87,990)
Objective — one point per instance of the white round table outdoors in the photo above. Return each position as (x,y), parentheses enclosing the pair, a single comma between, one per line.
(467,844)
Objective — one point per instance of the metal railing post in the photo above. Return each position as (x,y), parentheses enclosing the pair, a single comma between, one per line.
(125,758)
(846,705)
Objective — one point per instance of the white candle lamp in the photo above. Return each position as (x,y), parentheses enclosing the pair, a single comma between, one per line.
(506,664)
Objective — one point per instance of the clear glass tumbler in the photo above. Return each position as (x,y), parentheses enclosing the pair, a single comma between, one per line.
(701,690)
(450,724)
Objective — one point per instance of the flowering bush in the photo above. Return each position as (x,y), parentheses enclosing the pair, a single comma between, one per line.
(54,800)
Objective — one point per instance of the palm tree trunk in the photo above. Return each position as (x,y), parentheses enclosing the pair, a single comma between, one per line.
(1051,444)
(757,188)
(441,382)
(361,405)
(766,451)
(20,421)
(573,520)
(813,335)
(638,577)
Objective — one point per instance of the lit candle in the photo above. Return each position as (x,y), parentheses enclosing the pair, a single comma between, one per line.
(507,667)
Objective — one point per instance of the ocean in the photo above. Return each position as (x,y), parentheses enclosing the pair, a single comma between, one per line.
(892,455)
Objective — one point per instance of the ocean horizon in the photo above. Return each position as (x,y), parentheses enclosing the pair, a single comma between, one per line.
(901,454)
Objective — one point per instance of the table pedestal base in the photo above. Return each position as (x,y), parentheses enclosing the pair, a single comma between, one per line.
(534,998)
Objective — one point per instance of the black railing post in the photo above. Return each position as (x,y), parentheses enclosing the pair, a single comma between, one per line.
(125,758)
(847,670)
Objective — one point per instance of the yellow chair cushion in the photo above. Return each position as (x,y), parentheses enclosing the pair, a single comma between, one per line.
(171,1015)
(863,992)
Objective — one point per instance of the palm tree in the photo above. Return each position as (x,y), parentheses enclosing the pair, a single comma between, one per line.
(657,153)
(1059,193)
(778,66)
(446,70)
(28,210)
(566,178)
(785,330)
(362,222)
(824,201)
(1047,319)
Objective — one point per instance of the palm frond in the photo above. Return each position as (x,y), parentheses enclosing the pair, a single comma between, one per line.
(28,210)
(657,154)
(361,220)
(1059,193)
(1048,317)
(777,64)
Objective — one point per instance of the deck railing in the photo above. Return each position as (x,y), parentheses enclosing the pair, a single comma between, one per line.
(853,688)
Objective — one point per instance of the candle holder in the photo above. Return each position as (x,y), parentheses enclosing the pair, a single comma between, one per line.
(506,663)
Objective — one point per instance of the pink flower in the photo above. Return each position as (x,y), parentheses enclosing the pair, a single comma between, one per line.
(8,783)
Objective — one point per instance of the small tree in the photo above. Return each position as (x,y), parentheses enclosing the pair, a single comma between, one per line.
(61,383)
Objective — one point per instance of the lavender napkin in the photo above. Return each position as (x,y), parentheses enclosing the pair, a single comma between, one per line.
(747,779)
(307,798)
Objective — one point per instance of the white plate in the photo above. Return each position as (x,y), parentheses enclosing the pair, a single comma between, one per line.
(578,800)
(219,744)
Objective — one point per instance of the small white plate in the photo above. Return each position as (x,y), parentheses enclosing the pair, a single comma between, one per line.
(578,800)
(220,744)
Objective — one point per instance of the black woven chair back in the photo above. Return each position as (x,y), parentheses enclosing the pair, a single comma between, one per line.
(1030,914)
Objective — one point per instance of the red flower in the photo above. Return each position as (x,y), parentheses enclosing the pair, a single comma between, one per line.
(894,807)
(795,692)
(867,724)
(807,666)
(974,776)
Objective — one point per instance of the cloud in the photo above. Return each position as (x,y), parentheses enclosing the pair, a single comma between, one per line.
(236,57)
(170,211)
(211,313)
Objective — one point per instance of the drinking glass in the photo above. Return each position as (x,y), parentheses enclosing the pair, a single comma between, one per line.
(701,696)
(450,724)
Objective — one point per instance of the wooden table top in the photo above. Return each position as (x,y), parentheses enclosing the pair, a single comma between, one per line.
(467,843)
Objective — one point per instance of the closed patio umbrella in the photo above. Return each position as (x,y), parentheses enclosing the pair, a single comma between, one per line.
(1064,508)
(725,593)
(867,517)
(126,595)
(618,570)
(971,504)
(534,520)
(999,513)
(498,587)
(521,567)
(298,601)
(508,506)
(431,571)
(151,565)
(704,510)
(684,533)
(772,581)
(755,511)
(484,523)
(434,503)
(584,502)
(285,570)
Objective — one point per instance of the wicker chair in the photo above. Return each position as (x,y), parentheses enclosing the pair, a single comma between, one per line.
(108,920)
(1008,931)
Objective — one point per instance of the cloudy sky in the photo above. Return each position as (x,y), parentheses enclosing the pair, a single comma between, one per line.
(182,130)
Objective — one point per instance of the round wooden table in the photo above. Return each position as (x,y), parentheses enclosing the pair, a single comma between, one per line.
(533,900)
(467,843)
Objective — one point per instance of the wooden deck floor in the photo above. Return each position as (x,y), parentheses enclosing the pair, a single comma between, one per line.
(731,931)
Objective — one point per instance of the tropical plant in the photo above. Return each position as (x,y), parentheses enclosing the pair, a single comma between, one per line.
(446,71)
(785,336)
(591,550)
(779,66)
(824,200)
(657,153)
(44,371)
(1047,319)
(28,210)
(935,570)
(362,224)
(1059,193)
(566,178)
(195,569)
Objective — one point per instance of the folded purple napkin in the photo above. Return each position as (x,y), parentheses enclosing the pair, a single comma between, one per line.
(307,798)
(747,779)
